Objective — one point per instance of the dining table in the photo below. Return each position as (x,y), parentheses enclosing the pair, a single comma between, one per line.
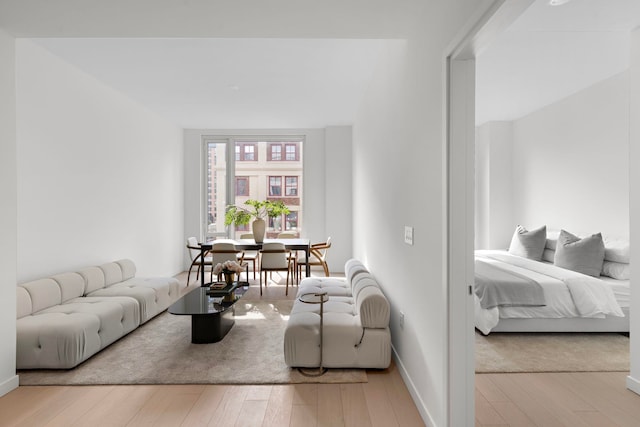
(252,245)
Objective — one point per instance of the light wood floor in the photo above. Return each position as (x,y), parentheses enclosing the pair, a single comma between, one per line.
(383,401)
(596,399)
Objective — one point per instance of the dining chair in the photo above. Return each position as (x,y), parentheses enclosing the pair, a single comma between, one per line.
(249,255)
(317,256)
(225,250)
(294,255)
(275,257)
(195,254)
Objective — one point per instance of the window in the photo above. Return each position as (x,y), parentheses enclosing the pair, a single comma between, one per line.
(275,223)
(291,221)
(275,186)
(291,186)
(291,152)
(245,152)
(242,186)
(275,152)
(290,149)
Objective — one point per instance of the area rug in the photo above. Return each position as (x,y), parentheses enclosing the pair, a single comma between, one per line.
(161,352)
(552,352)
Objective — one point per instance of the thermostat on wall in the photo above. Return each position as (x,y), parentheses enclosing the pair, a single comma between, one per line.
(408,235)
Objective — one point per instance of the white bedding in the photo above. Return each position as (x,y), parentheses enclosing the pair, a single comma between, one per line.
(568,294)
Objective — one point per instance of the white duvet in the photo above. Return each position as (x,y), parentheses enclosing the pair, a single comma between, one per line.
(567,293)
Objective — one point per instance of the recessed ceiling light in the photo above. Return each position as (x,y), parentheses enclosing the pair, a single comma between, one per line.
(234,87)
(558,2)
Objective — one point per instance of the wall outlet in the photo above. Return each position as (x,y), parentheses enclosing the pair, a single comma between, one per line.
(401,320)
(408,235)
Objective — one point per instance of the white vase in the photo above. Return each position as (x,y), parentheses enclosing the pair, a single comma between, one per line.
(258,227)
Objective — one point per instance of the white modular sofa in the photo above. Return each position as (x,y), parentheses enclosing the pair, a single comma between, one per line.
(65,319)
(356,323)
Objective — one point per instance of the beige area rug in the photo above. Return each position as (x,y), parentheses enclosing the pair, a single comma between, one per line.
(161,352)
(552,352)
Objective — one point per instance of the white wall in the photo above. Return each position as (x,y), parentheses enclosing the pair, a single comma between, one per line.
(8,216)
(494,220)
(570,162)
(320,177)
(338,195)
(398,180)
(633,382)
(99,177)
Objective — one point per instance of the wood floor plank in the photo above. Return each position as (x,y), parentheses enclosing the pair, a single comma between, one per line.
(279,407)
(20,403)
(305,394)
(551,386)
(596,419)
(91,397)
(512,414)
(118,407)
(176,410)
(259,392)
(404,409)
(304,415)
(510,385)
(52,407)
(330,411)
(354,404)
(229,408)
(205,407)
(252,413)
(378,402)
(489,389)
(486,413)
(601,398)
(162,402)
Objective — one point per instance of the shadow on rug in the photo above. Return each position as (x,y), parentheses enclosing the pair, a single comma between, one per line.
(552,352)
(161,352)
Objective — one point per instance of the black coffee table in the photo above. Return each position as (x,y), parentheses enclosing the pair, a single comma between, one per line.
(212,312)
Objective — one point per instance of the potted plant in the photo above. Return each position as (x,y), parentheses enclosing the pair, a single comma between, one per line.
(258,211)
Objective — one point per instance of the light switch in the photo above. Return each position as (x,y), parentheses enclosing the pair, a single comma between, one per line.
(408,235)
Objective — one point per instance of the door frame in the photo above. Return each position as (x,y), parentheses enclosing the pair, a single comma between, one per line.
(459,180)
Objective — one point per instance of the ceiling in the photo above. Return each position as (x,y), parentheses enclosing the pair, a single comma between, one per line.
(300,63)
(233,83)
(551,52)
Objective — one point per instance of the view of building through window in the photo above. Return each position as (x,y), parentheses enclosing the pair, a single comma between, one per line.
(264,170)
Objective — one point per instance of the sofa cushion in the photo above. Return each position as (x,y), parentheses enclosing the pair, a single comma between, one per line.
(373,308)
(112,273)
(23,303)
(56,340)
(71,285)
(128,268)
(93,279)
(146,298)
(44,293)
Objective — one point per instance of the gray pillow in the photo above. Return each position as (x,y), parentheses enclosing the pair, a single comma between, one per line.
(584,255)
(528,244)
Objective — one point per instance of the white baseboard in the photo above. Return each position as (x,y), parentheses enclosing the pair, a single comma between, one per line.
(633,384)
(422,408)
(10,384)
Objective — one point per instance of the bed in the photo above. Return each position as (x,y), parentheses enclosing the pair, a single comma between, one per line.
(562,300)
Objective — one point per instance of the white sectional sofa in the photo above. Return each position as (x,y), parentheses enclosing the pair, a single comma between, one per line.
(356,323)
(65,319)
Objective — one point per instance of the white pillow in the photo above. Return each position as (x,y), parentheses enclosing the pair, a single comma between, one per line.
(617,250)
(584,255)
(616,270)
(548,255)
(528,244)
(552,239)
